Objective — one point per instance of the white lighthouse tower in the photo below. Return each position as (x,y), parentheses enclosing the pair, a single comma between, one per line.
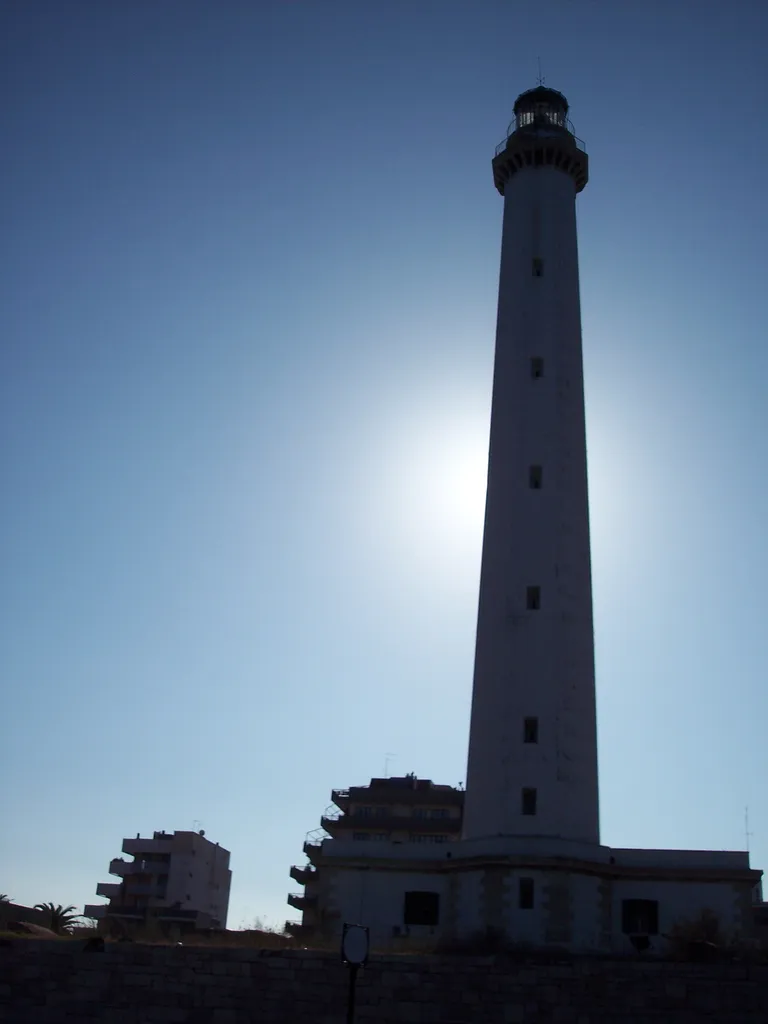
(529,867)
(533,746)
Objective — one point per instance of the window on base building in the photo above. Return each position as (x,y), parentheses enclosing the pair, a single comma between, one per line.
(537,367)
(361,835)
(533,599)
(525,894)
(528,801)
(535,477)
(530,730)
(421,908)
(538,267)
(640,917)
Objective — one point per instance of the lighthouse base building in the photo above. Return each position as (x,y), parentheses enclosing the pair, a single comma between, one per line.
(422,888)
(518,857)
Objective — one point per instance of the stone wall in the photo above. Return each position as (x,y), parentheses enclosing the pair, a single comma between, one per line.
(59,983)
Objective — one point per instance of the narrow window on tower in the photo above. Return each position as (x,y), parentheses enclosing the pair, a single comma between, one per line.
(525,894)
(529,801)
(538,267)
(535,477)
(533,599)
(537,367)
(530,730)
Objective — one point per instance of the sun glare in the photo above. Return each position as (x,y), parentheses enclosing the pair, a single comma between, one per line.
(433,496)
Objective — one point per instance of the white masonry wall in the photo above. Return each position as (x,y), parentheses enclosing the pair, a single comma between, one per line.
(574,910)
(678,902)
(376,898)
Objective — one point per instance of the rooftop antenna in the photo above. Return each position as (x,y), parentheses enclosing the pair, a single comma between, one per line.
(541,77)
(387,759)
(747,833)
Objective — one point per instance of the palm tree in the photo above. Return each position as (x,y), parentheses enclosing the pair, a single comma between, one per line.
(61,918)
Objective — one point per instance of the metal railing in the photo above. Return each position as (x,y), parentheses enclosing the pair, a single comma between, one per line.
(316,837)
(299,900)
(540,131)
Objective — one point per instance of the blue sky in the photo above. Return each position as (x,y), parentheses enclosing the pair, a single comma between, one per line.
(249,275)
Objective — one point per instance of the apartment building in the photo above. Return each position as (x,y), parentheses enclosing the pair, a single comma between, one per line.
(394,811)
(178,879)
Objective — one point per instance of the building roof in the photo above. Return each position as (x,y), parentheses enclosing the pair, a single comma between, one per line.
(407,782)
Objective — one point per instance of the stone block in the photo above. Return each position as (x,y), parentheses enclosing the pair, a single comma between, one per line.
(175,987)
(563,1015)
(225,1016)
(215,999)
(676,989)
(410,1012)
(94,979)
(166,1015)
(137,979)
(88,995)
(312,965)
(514,1014)
(118,1015)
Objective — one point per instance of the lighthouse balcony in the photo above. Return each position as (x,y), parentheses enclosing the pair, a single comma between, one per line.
(542,133)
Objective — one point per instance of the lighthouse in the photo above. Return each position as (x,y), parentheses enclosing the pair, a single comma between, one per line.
(532,768)
(516,856)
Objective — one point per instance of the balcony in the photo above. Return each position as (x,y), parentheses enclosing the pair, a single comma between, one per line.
(304,874)
(299,901)
(124,868)
(540,129)
(95,910)
(144,889)
(386,792)
(110,890)
(391,823)
(296,929)
(137,847)
(341,798)
(313,849)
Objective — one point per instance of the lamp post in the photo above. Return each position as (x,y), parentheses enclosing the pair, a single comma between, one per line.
(355,944)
